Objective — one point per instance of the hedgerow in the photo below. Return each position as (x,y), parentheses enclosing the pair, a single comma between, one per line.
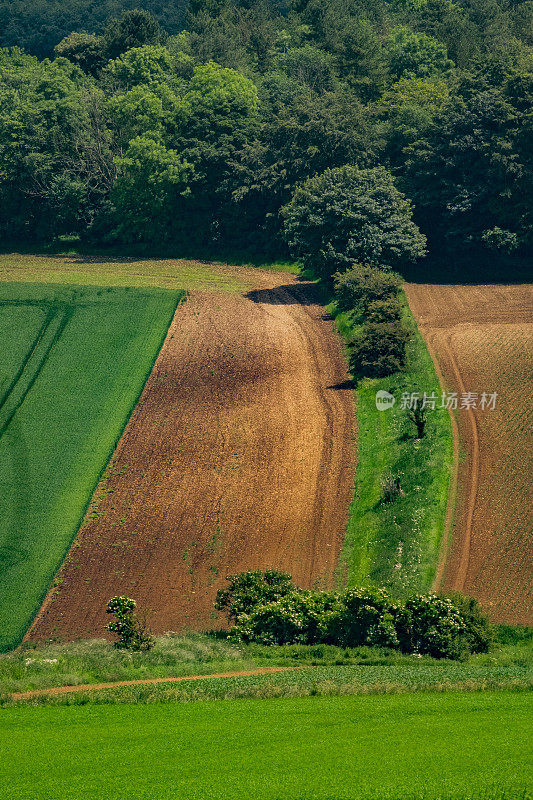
(441,627)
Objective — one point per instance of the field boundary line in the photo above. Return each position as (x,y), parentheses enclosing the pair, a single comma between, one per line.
(147,682)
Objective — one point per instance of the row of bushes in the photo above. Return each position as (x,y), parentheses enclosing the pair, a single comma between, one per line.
(371,297)
(267,608)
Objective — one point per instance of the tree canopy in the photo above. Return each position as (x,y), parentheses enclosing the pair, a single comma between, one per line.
(345,130)
(348,215)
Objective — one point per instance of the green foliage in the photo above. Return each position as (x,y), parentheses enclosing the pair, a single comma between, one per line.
(248,589)
(349,214)
(219,102)
(409,109)
(83,49)
(415,55)
(378,349)
(418,416)
(499,239)
(262,97)
(49,183)
(150,191)
(133,29)
(363,617)
(475,191)
(132,631)
(478,632)
(140,112)
(139,66)
(390,487)
(361,287)
(434,626)
(371,295)
(395,544)
(308,66)
(268,609)
(388,310)
(39,25)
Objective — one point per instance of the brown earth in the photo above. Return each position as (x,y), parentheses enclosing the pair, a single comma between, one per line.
(239,455)
(481,338)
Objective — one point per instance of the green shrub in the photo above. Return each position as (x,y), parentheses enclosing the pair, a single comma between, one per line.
(379,350)
(132,630)
(297,618)
(434,626)
(361,617)
(361,285)
(390,487)
(386,310)
(479,632)
(247,590)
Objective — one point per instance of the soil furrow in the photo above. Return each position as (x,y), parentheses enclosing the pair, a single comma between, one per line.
(239,455)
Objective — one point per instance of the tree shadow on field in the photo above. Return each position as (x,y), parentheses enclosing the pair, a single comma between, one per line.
(347,385)
(301,292)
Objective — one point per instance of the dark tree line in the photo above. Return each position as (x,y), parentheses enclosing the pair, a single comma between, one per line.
(213,126)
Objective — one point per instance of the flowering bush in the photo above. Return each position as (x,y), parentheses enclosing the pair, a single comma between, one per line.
(247,590)
(132,630)
(432,625)
(296,618)
(268,609)
(362,617)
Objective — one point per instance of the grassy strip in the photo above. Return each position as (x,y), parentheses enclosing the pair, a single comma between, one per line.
(434,746)
(310,682)
(106,270)
(86,662)
(396,544)
(65,425)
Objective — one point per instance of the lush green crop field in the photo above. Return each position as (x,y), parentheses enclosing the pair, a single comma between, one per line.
(317,748)
(27,321)
(72,365)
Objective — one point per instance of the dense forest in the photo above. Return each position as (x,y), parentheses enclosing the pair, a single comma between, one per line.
(253,125)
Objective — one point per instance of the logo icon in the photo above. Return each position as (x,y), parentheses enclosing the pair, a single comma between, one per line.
(384,400)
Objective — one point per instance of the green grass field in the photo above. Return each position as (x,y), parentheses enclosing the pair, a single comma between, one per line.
(424,746)
(397,544)
(73,362)
(106,270)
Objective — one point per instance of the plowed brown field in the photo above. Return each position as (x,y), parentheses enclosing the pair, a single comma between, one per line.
(482,340)
(239,455)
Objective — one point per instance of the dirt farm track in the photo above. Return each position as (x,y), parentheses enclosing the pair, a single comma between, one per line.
(481,338)
(240,454)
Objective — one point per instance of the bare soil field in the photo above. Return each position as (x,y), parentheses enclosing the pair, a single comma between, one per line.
(239,455)
(481,338)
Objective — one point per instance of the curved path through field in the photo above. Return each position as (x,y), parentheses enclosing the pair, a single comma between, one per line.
(92,687)
(481,339)
(239,455)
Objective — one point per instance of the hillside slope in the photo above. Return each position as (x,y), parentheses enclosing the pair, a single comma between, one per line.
(482,338)
(239,455)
